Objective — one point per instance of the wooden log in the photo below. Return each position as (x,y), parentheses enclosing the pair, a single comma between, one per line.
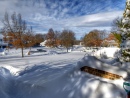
(100,73)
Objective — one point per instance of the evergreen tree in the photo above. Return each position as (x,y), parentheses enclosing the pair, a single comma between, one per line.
(125,35)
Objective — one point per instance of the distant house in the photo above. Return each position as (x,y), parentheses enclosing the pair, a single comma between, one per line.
(43,43)
(2,43)
(81,43)
(110,41)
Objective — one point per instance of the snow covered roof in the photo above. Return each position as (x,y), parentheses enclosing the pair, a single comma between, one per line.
(43,43)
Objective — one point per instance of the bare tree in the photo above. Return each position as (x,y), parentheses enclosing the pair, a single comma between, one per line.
(50,38)
(67,38)
(29,37)
(16,28)
(57,38)
(39,38)
(93,38)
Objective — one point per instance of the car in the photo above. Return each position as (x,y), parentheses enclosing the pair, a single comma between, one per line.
(41,50)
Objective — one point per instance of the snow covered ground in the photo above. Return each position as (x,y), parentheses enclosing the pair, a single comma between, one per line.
(108,52)
(56,74)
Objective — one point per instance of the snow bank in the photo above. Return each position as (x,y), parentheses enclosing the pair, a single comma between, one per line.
(106,90)
(2,52)
(5,82)
(42,81)
(93,62)
(13,70)
(79,49)
(52,52)
(46,81)
(109,52)
(126,66)
(71,84)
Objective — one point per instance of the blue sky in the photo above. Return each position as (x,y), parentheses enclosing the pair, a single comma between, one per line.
(81,16)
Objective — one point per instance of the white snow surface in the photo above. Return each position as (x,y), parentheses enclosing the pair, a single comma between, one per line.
(56,74)
(110,52)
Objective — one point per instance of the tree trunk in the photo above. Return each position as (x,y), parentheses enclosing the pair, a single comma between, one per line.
(22,52)
(30,48)
(67,49)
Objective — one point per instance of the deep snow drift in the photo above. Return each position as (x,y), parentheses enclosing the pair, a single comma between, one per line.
(109,52)
(58,76)
(43,82)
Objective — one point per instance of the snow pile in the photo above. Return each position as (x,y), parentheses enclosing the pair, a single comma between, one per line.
(79,49)
(2,52)
(52,52)
(96,88)
(12,52)
(108,52)
(5,83)
(94,62)
(12,69)
(126,66)
(71,84)
(56,81)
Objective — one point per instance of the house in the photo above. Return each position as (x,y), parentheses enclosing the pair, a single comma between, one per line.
(110,41)
(43,43)
(2,43)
